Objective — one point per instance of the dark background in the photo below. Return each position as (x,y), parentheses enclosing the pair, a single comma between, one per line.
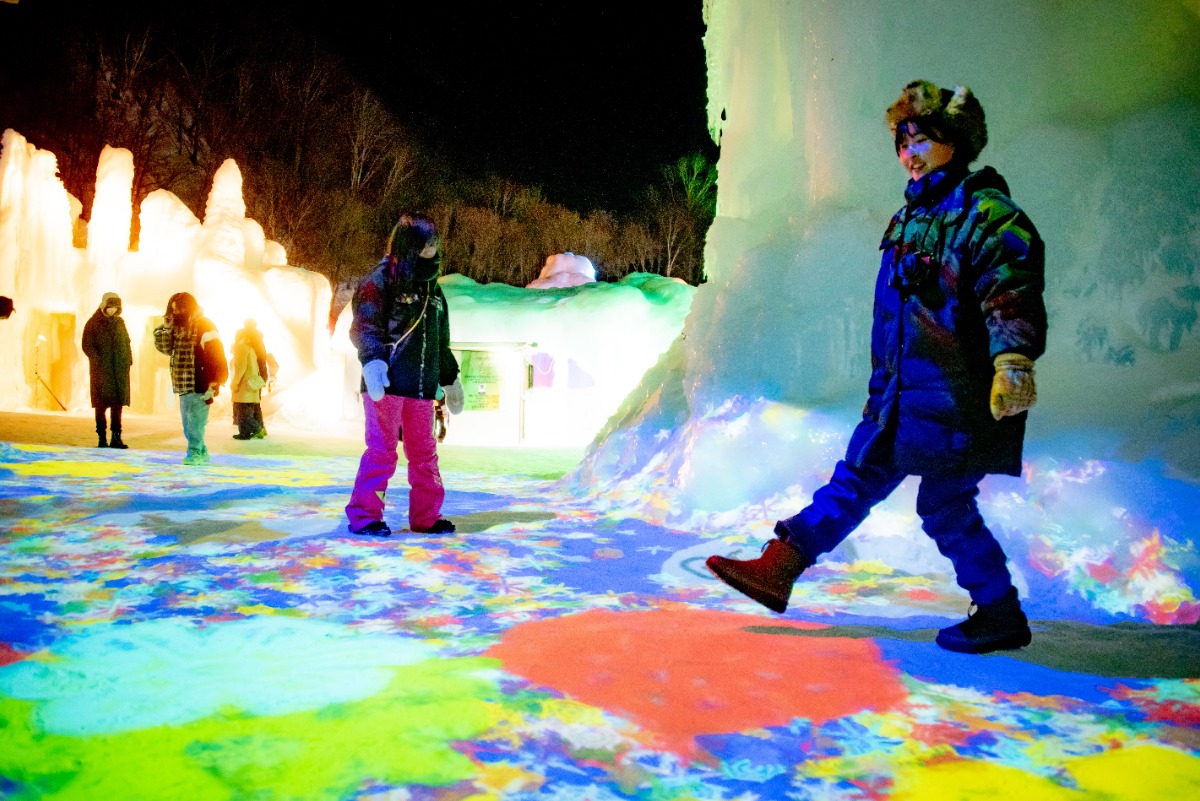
(587,101)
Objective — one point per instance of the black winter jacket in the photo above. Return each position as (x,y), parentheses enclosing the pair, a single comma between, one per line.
(106,344)
(405,321)
(960,282)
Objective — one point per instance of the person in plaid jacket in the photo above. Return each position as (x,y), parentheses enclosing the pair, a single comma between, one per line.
(198,367)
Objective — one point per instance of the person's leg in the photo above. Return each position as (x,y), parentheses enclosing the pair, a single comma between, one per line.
(115,415)
(241,419)
(201,425)
(836,510)
(950,516)
(381,431)
(257,423)
(425,490)
(839,507)
(191,432)
(101,429)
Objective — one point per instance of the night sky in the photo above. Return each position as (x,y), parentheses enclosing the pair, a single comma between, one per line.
(585,100)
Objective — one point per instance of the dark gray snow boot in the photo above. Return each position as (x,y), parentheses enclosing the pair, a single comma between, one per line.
(998,626)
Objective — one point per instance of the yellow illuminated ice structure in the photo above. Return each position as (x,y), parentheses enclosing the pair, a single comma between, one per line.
(112,217)
(224,260)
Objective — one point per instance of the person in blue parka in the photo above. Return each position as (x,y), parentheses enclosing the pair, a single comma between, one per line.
(959,320)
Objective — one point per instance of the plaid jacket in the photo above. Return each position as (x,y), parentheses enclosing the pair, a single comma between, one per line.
(180,343)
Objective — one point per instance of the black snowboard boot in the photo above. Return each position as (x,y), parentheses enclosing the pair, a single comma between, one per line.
(998,626)
(767,579)
(116,441)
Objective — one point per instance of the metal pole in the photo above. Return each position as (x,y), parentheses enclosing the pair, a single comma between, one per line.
(37,348)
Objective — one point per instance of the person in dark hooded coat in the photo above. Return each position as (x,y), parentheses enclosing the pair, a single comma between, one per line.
(959,320)
(106,344)
(401,330)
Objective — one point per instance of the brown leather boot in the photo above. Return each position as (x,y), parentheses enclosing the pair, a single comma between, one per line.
(767,579)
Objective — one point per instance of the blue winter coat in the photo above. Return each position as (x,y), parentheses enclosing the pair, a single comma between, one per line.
(401,317)
(960,282)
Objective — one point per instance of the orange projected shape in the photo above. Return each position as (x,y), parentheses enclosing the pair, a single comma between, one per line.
(681,673)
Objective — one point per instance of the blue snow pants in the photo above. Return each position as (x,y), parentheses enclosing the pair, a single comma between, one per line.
(947,508)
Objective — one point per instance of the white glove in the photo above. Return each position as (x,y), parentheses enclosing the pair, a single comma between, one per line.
(375,375)
(1013,390)
(454,397)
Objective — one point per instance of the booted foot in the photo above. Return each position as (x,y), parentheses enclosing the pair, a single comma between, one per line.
(194,458)
(116,442)
(262,432)
(998,626)
(767,579)
(376,528)
(102,443)
(440,527)
(239,436)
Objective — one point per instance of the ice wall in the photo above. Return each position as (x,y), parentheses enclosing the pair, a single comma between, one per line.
(1094,120)
(1093,111)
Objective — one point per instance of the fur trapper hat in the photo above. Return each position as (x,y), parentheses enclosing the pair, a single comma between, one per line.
(951,116)
(110,299)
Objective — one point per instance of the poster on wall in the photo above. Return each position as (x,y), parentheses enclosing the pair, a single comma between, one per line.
(482,380)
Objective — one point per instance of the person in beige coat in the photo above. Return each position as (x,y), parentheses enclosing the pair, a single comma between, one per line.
(247,376)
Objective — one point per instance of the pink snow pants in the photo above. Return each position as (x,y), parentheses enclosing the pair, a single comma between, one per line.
(384,421)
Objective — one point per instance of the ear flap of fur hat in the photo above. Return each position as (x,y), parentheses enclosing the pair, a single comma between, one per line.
(964,114)
(957,112)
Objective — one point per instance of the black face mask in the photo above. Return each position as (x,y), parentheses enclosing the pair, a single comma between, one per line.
(415,269)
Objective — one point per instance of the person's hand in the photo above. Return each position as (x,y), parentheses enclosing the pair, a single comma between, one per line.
(210,393)
(454,397)
(1013,389)
(168,320)
(375,376)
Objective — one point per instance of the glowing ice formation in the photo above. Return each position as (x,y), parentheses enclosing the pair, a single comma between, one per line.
(563,270)
(589,343)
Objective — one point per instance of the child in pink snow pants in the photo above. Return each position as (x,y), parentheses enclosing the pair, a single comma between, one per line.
(401,329)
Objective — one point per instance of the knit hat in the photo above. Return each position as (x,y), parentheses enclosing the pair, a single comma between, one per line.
(951,116)
(110,299)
